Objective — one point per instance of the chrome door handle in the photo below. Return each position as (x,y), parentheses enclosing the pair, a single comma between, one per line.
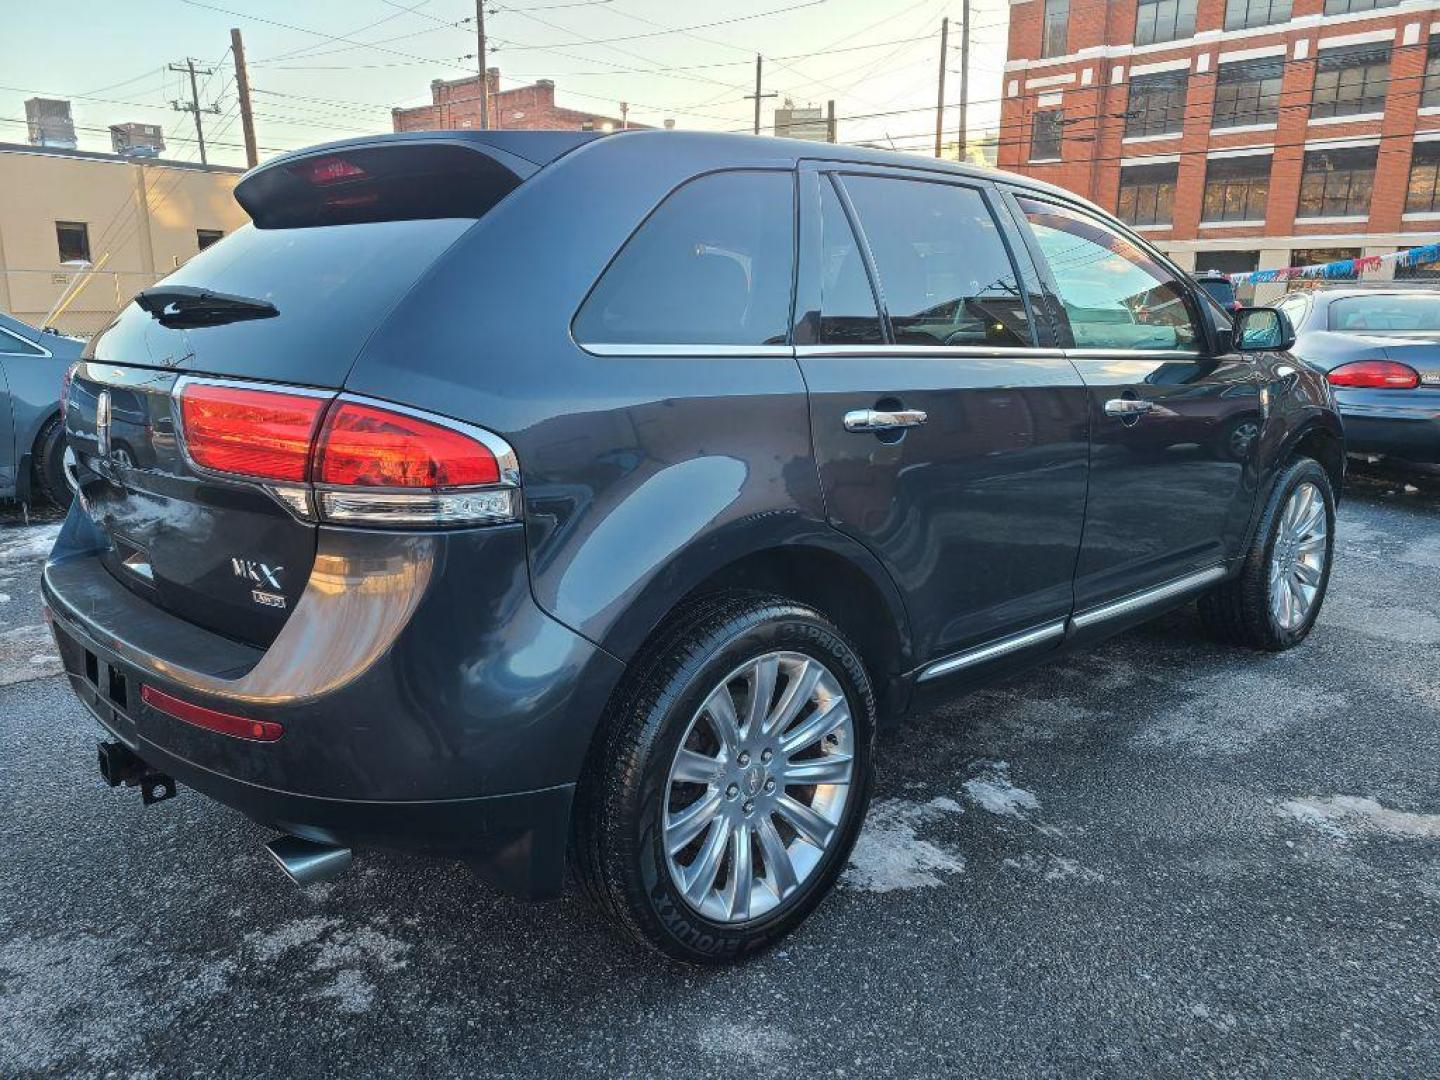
(878,420)
(1128,406)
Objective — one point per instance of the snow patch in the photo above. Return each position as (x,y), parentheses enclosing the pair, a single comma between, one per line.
(1231,713)
(1343,816)
(1053,868)
(348,956)
(1386,621)
(888,854)
(27,652)
(758,1044)
(28,542)
(994,792)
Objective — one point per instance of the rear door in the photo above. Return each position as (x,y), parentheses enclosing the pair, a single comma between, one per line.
(912,312)
(1174,429)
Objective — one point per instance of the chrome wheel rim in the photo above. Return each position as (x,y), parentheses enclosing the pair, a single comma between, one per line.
(758,787)
(1297,560)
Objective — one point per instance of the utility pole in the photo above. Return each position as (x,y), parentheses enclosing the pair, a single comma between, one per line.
(624,116)
(193,105)
(758,95)
(242,90)
(964,74)
(830,121)
(480,55)
(940,94)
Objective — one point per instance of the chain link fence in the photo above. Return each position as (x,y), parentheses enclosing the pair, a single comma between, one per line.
(83,303)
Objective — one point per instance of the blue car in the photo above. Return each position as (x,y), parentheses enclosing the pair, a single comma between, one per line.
(32,440)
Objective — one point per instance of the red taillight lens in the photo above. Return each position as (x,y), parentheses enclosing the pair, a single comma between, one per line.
(260,433)
(1374,374)
(328,170)
(363,445)
(238,727)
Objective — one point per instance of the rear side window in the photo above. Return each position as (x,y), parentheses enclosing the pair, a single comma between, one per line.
(945,276)
(848,315)
(14,345)
(712,266)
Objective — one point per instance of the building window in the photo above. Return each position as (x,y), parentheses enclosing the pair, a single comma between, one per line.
(73,238)
(1351,81)
(1045,131)
(1430,89)
(1164,20)
(1236,188)
(1056,34)
(1321,256)
(1156,105)
(1147,194)
(1422,196)
(1345,7)
(205,237)
(1248,93)
(1243,14)
(1337,183)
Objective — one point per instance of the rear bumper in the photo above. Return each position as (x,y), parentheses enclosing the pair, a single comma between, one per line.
(1403,423)
(460,730)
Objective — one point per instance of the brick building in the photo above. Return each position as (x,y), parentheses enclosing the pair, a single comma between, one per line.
(1235,134)
(456,104)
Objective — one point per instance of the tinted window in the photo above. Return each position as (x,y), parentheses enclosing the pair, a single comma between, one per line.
(711,266)
(848,315)
(1405,312)
(14,345)
(945,275)
(1115,295)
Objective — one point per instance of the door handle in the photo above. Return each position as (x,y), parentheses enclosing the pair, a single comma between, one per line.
(1128,407)
(883,420)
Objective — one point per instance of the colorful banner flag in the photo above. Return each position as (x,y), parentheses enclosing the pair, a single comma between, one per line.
(1341,269)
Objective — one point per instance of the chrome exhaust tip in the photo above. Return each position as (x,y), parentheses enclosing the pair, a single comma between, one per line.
(306,862)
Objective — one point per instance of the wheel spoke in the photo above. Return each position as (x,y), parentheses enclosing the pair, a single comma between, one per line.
(814,728)
(1297,601)
(779,870)
(1308,574)
(742,874)
(805,821)
(1312,545)
(700,876)
(797,693)
(826,769)
(691,821)
(762,689)
(721,708)
(696,768)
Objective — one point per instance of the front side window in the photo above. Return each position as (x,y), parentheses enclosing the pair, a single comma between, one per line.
(944,272)
(1114,293)
(1422,194)
(1248,93)
(73,240)
(1056,32)
(1236,188)
(1156,105)
(1045,131)
(711,266)
(1164,20)
(1147,194)
(1243,14)
(1351,81)
(1345,7)
(848,315)
(1337,183)
(1430,87)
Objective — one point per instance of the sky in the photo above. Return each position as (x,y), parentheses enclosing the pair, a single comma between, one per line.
(328,69)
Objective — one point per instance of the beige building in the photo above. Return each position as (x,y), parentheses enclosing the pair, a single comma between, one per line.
(133,220)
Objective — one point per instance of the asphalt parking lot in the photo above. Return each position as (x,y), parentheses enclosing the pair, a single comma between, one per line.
(1163,858)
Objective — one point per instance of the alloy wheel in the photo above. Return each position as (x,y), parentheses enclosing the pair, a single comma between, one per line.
(1297,560)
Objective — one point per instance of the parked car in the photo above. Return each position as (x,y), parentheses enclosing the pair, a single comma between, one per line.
(1379,347)
(32,441)
(1218,286)
(547,498)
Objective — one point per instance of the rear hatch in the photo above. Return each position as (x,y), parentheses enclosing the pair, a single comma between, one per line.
(338,237)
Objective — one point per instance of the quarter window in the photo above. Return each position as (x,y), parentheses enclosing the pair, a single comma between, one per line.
(1351,81)
(1337,183)
(1236,188)
(944,272)
(1243,14)
(14,345)
(1115,294)
(848,315)
(1164,20)
(1422,195)
(1147,194)
(711,266)
(1156,105)
(73,240)
(1045,130)
(1247,93)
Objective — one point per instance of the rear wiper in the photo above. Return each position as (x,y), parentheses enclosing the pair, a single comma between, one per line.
(188,306)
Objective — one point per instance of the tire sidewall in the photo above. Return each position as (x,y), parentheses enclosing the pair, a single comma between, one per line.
(685,932)
(1305,471)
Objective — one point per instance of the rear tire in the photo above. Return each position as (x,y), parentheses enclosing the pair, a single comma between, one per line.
(663,763)
(1274,601)
(49,465)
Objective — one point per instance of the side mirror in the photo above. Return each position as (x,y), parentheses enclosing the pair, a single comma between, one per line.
(1262,329)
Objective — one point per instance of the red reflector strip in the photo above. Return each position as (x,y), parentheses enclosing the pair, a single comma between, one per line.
(238,727)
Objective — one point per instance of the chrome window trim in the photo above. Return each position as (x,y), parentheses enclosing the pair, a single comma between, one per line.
(994,650)
(4,333)
(602,349)
(1125,605)
(999,352)
(1136,354)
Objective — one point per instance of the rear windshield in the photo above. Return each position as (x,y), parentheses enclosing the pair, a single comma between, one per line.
(1386,312)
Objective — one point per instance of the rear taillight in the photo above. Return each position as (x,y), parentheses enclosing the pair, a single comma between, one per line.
(1374,374)
(350,460)
(65,381)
